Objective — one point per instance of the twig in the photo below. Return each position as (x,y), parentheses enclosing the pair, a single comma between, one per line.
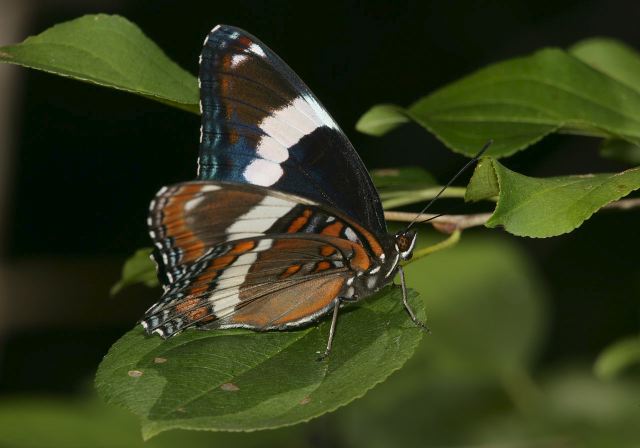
(449,223)
(442,222)
(623,204)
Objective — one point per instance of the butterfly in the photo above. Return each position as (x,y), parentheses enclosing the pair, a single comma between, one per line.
(283,224)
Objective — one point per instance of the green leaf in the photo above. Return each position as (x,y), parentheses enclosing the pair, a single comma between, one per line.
(243,380)
(621,151)
(381,119)
(109,51)
(484,182)
(618,357)
(611,57)
(519,101)
(541,208)
(137,269)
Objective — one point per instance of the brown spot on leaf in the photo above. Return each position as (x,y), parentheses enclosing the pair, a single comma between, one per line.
(181,410)
(160,360)
(134,373)
(229,387)
(305,400)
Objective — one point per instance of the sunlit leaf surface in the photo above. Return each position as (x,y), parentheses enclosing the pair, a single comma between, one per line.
(544,207)
(519,101)
(108,51)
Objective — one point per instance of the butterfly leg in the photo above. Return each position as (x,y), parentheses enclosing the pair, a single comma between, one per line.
(405,302)
(332,330)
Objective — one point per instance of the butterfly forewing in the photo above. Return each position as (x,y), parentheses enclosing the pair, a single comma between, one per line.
(261,125)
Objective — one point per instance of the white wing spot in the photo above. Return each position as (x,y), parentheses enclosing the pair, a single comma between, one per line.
(285,127)
(263,172)
(238,59)
(350,234)
(257,50)
(261,217)
(193,203)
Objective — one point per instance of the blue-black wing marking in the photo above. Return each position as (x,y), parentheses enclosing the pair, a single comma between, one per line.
(261,125)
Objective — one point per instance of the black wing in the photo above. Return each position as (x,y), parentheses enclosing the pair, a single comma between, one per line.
(261,125)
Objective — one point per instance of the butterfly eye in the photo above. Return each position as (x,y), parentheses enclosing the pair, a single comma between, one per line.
(405,241)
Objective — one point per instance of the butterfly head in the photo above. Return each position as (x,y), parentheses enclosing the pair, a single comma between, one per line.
(405,242)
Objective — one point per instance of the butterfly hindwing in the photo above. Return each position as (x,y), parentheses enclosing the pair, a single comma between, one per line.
(257,283)
(261,125)
(234,255)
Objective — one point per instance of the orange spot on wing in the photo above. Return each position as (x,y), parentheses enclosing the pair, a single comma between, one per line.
(197,314)
(222,262)
(360,260)
(373,242)
(244,40)
(290,271)
(242,247)
(186,305)
(299,222)
(226,85)
(323,266)
(327,251)
(333,229)
(203,282)
(177,224)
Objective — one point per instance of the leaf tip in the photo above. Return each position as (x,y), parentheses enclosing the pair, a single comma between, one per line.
(381,119)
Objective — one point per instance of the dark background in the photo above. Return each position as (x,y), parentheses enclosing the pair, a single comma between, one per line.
(86,160)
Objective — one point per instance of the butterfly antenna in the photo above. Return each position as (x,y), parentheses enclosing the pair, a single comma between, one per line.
(442,190)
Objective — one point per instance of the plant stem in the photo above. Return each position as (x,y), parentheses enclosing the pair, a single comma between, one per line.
(441,223)
(446,223)
(623,204)
(399,198)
